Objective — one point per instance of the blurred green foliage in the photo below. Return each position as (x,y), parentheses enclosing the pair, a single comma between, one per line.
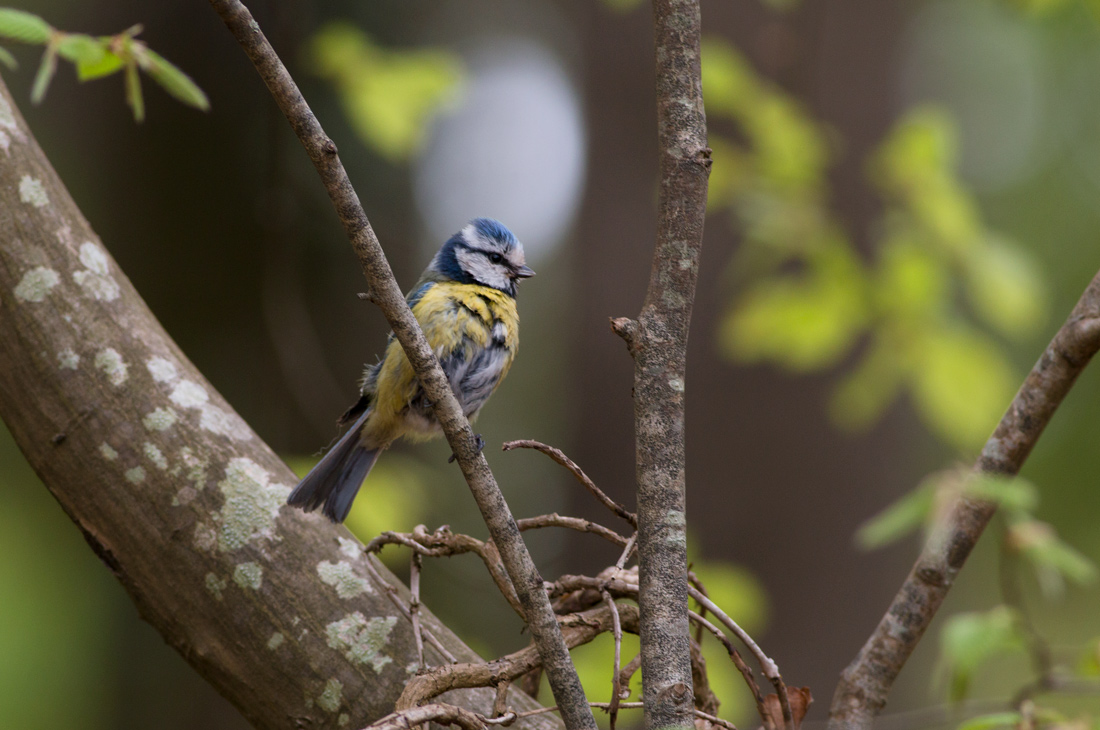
(968,639)
(927,313)
(96,57)
(390,96)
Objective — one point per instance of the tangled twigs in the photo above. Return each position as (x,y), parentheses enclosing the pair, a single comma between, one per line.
(561,458)
(617,631)
(438,713)
(577,629)
(735,656)
(444,543)
(631,706)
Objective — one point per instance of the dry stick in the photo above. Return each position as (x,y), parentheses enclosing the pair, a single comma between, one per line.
(558,456)
(571,523)
(437,713)
(735,656)
(385,293)
(627,551)
(396,600)
(629,706)
(767,665)
(627,673)
(617,632)
(865,683)
(657,340)
(415,561)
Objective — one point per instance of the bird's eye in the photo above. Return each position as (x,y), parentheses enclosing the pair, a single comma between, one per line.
(496,258)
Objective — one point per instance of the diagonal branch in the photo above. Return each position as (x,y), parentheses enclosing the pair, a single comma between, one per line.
(385,293)
(657,340)
(865,683)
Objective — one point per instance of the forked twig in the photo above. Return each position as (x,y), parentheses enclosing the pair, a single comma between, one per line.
(576,471)
(396,600)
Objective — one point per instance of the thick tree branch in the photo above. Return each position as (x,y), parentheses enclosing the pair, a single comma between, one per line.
(658,342)
(865,684)
(385,293)
(181,500)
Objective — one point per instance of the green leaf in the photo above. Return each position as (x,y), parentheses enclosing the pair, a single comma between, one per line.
(993,720)
(46,70)
(133,92)
(962,384)
(7,59)
(968,639)
(1015,494)
(81,49)
(1052,558)
(804,323)
(870,388)
(22,26)
(911,512)
(1004,285)
(172,80)
(107,65)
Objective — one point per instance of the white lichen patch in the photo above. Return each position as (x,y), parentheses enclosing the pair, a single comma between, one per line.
(249,575)
(113,366)
(276,640)
(135,475)
(189,394)
(36,284)
(412,668)
(154,454)
(7,118)
(223,423)
(5,142)
(32,191)
(67,359)
(362,640)
(342,577)
(251,504)
(216,585)
(332,696)
(677,384)
(162,370)
(196,467)
(351,548)
(95,279)
(108,453)
(160,419)
(343,720)
(206,537)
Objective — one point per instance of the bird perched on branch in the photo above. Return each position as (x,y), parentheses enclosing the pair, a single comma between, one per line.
(466,304)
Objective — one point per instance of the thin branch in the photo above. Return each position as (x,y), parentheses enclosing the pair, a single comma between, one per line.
(631,706)
(738,662)
(438,713)
(617,632)
(865,683)
(571,523)
(767,665)
(415,562)
(558,456)
(631,544)
(389,298)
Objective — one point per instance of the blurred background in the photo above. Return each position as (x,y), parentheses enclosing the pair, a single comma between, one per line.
(904,208)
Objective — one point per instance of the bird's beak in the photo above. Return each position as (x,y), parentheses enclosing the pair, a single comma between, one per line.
(525,272)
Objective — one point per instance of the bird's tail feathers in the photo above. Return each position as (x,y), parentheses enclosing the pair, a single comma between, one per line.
(333,483)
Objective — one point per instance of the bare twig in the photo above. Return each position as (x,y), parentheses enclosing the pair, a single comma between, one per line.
(571,523)
(617,632)
(657,340)
(632,706)
(414,606)
(631,544)
(558,456)
(395,599)
(437,713)
(738,662)
(865,683)
(767,665)
(627,673)
(500,704)
(389,298)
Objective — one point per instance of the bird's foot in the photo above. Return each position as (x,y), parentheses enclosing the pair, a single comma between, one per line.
(480,448)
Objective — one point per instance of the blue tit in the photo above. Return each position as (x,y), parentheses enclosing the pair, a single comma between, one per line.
(466,304)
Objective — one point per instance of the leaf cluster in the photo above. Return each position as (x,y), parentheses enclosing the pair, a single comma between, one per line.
(928,312)
(95,57)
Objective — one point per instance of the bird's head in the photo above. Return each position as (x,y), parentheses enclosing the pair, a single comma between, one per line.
(484,252)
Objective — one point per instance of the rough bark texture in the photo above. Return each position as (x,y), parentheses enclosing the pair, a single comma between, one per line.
(865,683)
(181,500)
(658,343)
(385,293)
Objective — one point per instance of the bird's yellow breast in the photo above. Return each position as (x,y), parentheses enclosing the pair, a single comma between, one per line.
(458,320)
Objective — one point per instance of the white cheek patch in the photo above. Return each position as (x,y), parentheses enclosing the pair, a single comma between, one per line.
(482,270)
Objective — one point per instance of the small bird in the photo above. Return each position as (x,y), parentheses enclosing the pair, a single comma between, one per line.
(465,302)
